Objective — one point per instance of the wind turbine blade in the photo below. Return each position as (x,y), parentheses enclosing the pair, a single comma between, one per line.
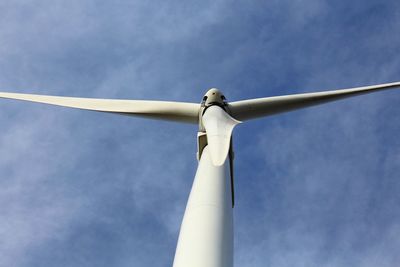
(260,107)
(219,126)
(175,111)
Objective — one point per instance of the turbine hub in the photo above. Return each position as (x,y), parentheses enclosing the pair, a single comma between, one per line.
(214,97)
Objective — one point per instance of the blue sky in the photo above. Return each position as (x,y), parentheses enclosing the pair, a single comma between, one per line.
(316,187)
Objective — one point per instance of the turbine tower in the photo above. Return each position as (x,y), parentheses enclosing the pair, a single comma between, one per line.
(206,234)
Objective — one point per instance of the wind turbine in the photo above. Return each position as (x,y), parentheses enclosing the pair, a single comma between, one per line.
(206,234)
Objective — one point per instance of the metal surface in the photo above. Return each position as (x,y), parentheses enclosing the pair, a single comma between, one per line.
(206,235)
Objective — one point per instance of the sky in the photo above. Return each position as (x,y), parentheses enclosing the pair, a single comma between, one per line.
(314,187)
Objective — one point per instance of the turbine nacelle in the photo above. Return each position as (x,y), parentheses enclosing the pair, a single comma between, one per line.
(219,126)
(215,126)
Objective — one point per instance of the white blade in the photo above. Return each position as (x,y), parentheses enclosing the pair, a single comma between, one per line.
(175,111)
(219,126)
(260,107)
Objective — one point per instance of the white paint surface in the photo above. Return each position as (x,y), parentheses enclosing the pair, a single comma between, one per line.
(219,126)
(206,235)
